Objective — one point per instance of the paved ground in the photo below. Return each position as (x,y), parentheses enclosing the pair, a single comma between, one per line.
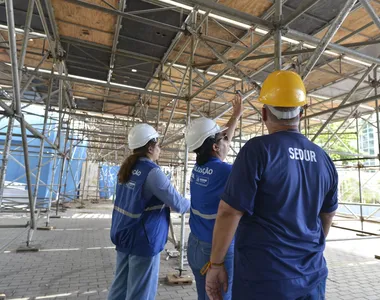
(76,261)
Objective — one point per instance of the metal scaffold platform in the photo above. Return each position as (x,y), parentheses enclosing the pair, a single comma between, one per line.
(77,75)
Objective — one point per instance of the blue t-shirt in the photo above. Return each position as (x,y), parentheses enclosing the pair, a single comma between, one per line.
(206,187)
(282,182)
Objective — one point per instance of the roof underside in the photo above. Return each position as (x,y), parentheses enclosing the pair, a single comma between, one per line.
(115,61)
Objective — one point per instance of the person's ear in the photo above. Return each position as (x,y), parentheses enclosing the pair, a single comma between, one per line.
(215,147)
(151,149)
(264,114)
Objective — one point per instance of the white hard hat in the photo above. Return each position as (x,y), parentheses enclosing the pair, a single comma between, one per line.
(140,135)
(199,130)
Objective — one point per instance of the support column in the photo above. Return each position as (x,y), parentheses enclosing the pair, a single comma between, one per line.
(359,174)
(305,121)
(83,184)
(277,35)
(17,102)
(159,97)
(42,149)
(97,198)
(377,113)
(7,149)
(69,160)
(183,219)
(58,195)
(52,186)
(60,106)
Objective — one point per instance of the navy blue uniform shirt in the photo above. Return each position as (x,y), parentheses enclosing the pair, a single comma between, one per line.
(206,187)
(282,182)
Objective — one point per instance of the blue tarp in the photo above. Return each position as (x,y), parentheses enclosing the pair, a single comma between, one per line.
(16,171)
(108,178)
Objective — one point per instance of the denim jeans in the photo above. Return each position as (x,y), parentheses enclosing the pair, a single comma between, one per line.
(318,293)
(198,254)
(136,277)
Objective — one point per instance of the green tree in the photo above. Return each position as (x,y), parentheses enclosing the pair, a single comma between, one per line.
(349,192)
(341,148)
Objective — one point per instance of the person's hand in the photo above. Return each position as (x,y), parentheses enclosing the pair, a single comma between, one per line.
(216,280)
(238,107)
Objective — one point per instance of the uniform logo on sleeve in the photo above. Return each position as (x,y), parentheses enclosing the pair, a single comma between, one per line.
(136,172)
(302,154)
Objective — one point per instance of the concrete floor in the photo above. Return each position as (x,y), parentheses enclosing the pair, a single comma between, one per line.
(76,261)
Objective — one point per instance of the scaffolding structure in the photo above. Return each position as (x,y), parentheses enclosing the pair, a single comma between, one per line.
(76,60)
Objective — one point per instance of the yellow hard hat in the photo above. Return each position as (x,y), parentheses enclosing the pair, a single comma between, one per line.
(283,89)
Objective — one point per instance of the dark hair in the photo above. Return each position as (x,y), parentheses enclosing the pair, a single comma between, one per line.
(205,152)
(127,166)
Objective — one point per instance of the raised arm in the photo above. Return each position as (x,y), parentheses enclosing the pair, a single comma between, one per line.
(237,104)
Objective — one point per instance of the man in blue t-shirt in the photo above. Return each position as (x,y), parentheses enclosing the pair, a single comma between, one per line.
(280,199)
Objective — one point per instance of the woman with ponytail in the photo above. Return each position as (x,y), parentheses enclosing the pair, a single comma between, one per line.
(209,176)
(140,219)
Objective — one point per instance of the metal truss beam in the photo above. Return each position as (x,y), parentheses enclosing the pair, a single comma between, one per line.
(122,4)
(344,50)
(126,15)
(348,97)
(230,65)
(301,9)
(331,110)
(241,58)
(104,48)
(103,84)
(277,35)
(228,12)
(290,33)
(372,13)
(328,37)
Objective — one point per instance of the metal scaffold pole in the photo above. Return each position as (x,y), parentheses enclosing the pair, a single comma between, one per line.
(376,82)
(63,165)
(183,219)
(97,196)
(17,103)
(359,173)
(159,96)
(277,34)
(8,141)
(51,193)
(7,149)
(42,149)
(69,160)
(83,184)
(186,159)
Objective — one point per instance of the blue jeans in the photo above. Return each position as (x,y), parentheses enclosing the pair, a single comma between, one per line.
(318,293)
(198,254)
(136,277)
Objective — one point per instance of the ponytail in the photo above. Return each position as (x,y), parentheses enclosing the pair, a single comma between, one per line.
(127,166)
